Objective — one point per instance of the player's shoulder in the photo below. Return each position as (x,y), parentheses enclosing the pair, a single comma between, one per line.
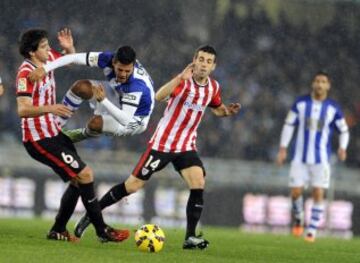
(214,83)
(333,103)
(138,85)
(303,98)
(24,69)
(54,54)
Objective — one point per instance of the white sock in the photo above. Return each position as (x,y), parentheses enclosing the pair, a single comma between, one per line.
(298,209)
(73,102)
(317,211)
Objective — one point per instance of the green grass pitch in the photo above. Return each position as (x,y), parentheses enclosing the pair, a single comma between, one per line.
(23,241)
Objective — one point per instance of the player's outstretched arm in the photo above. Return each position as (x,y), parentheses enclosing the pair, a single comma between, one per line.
(225,111)
(167,89)
(39,73)
(25,109)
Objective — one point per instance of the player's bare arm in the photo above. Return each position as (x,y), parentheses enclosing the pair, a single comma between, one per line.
(226,111)
(342,154)
(66,41)
(1,89)
(281,156)
(165,91)
(25,109)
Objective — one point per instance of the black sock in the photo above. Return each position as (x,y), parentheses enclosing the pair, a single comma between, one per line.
(193,211)
(67,207)
(114,195)
(92,206)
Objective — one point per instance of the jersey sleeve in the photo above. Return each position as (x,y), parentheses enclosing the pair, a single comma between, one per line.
(216,100)
(292,116)
(99,59)
(340,122)
(23,86)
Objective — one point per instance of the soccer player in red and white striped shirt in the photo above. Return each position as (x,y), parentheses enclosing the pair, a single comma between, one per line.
(174,140)
(44,140)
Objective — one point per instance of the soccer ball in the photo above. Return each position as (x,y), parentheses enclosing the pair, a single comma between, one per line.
(150,238)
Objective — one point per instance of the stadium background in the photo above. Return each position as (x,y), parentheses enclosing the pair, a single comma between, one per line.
(268,52)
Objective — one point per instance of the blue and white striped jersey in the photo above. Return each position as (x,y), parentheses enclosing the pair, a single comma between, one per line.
(138,91)
(315,122)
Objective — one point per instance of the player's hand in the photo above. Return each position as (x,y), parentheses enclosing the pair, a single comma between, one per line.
(187,73)
(99,93)
(281,156)
(59,110)
(66,40)
(233,108)
(341,154)
(37,74)
(1,90)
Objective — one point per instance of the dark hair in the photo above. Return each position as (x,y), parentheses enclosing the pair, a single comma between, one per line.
(125,55)
(29,41)
(208,49)
(322,73)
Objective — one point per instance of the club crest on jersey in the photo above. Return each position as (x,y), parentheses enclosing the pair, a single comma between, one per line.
(144,171)
(22,84)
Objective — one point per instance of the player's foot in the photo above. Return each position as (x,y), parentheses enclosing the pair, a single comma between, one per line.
(75,135)
(114,235)
(61,236)
(195,242)
(310,238)
(297,231)
(81,225)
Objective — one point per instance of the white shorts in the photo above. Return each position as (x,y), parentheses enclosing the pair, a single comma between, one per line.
(315,175)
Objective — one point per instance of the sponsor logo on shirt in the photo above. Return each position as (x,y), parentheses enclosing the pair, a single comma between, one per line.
(193,106)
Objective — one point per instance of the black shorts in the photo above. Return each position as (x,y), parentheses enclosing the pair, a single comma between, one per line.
(59,153)
(152,161)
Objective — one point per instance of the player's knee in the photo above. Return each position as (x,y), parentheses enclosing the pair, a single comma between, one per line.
(96,124)
(318,194)
(86,176)
(83,89)
(198,183)
(296,192)
(133,184)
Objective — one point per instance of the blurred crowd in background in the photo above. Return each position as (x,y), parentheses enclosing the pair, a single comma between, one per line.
(264,62)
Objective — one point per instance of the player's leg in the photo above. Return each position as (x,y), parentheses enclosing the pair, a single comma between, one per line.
(58,153)
(150,162)
(191,169)
(320,181)
(93,129)
(297,211)
(298,177)
(81,90)
(67,206)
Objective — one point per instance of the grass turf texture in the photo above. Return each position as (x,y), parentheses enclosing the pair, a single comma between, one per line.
(24,241)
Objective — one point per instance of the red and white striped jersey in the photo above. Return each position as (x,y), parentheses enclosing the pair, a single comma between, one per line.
(177,129)
(42,93)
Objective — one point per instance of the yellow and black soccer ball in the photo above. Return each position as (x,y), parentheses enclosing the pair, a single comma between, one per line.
(150,238)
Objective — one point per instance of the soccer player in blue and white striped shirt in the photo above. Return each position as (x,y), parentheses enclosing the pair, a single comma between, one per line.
(314,116)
